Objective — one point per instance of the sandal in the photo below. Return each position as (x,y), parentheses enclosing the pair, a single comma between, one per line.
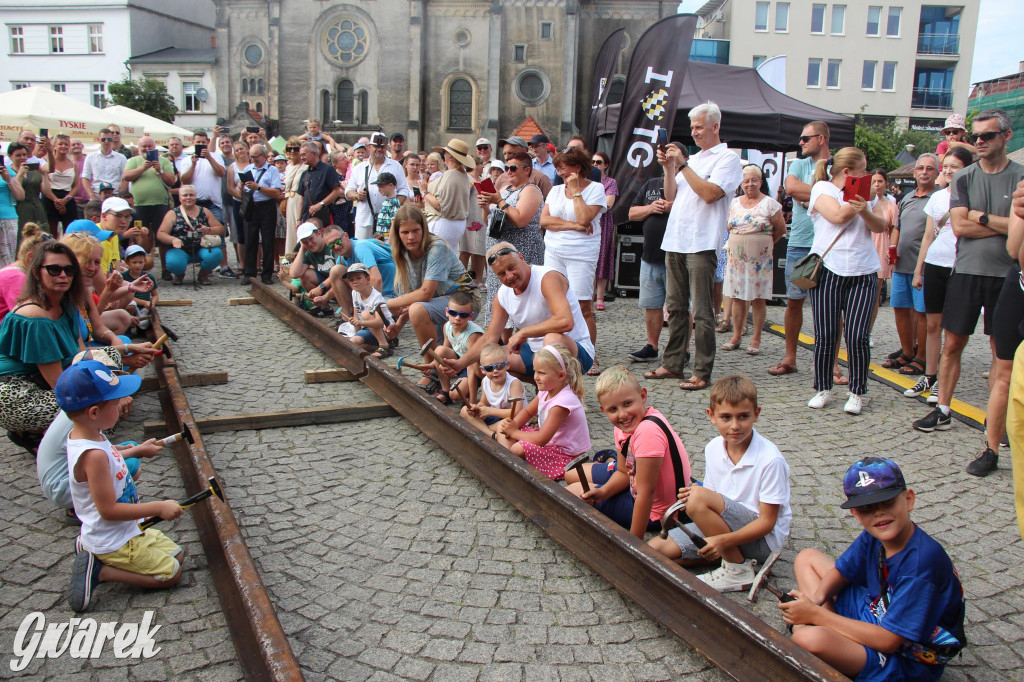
(897,363)
(599,305)
(723,327)
(595,370)
(28,440)
(443,398)
(660,373)
(753,350)
(602,456)
(730,346)
(913,368)
(694,384)
(780,369)
(838,379)
(383,352)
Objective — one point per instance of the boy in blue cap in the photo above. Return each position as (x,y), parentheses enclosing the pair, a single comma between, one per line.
(111,547)
(891,607)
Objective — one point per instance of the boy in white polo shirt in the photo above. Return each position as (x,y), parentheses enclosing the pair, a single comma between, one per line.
(742,508)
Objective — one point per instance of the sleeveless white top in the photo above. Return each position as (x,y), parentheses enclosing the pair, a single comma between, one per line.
(530,307)
(100,536)
(499,399)
(61,180)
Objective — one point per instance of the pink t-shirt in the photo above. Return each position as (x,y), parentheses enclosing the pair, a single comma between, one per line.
(648,440)
(942,148)
(573,436)
(11,281)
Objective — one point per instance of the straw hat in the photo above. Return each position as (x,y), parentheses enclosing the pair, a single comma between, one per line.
(460,150)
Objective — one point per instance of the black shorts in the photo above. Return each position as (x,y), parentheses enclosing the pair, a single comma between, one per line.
(936,278)
(966,297)
(70,213)
(1009,313)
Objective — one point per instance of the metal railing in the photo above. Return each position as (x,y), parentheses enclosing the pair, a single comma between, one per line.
(932,98)
(938,43)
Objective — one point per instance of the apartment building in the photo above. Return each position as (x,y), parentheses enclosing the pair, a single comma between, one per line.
(909,60)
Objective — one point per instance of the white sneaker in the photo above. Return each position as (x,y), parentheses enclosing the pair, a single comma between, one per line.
(820,400)
(346,329)
(730,577)
(853,404)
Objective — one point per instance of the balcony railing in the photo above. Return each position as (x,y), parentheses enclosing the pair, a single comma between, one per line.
(939,44)
(932,98)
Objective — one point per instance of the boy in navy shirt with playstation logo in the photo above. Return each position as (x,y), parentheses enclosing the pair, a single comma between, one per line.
(891,607)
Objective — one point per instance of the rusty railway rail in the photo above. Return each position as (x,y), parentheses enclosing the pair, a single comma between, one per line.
(738,642)
(260,642)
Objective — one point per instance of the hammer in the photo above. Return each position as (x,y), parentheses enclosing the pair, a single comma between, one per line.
(403,363)
(761,579)
(513,404)
(213,489)
(577,464)
(458,387)
(427,351)
(671,520)
(173,438)
(779,594)
(377,309)
(161,341)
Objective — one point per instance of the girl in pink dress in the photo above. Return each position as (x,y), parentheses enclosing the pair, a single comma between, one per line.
(563,433)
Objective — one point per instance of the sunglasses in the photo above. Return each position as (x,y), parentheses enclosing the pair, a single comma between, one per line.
(336,242)
(499,253)
(55,270)
(808,138)
(484,146)
(458,313)
(495,366)
(106,139)
(512,169)
(989,136)
(292,149)
(597,162)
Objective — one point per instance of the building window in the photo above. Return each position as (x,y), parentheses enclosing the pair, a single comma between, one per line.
(892,27)
(345,42)
(245,86)
(814,73)
(259,86)
(325,107)
(346,103)
(889,76)
(462,38)
(259,107)
(252,86)
(832,77)
(867,79)
(782,17)
(56,40)
(188,92)
(253,55)
(364,107)
(519,53)
(547,30)
(761,16)
(17,40)
(532,87)
(460,105)
(99,95)
(95,38)
(19,86)
(59,87)
(874,20)
(817,18)
(759,60)
(838,19)
(933,88)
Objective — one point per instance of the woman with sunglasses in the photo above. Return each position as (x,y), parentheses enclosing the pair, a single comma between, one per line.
(605,261)
(183,230)
(12,277)
(293,173)
(232,171)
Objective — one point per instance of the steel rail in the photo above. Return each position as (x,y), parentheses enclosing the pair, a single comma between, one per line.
(739,643)
(264,652)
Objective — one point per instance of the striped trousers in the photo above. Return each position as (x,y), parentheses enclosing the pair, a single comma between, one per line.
(843,304)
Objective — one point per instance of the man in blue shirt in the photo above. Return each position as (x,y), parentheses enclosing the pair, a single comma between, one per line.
(372,253)
(542,158)
(266,189)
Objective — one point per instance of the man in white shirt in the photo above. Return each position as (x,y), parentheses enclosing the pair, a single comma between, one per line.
(700,188)
(36,152)
(362,190)
(204,171)
(104,165)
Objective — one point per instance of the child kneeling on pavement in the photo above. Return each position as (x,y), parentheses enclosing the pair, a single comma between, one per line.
(742,508)
(892,606)
(111,547)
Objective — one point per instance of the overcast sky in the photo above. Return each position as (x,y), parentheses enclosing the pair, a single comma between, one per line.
(996,50)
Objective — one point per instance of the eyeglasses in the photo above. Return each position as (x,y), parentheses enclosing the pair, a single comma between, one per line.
(459,313)
(483,146)
(336,242)
(991,135)
(808,138)
(512,169)
(55,270)
(499,253)
(495,366)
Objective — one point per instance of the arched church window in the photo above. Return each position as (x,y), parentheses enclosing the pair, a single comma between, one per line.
(325,106)
(364,107)
(259,86)
(346,104)
(245,86)
(460,104)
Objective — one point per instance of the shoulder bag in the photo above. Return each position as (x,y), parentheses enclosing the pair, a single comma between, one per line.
(807,271)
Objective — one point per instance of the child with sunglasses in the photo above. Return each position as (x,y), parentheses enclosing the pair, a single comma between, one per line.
(498,390)
(460,332)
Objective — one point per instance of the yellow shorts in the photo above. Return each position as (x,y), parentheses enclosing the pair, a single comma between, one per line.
(150,553)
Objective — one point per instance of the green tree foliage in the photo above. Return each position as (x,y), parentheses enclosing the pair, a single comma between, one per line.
(147,95)
(878,142)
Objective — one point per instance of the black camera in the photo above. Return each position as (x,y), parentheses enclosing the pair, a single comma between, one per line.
(379,139)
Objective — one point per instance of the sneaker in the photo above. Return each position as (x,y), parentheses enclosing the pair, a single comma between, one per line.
(934,421)
(933,397)
(923,385)
(85,576)
(646,354)
(165,276)
(730,577)
(853,404)
(985,464)
(1005,442)
(346,329)
(228,273)
(820,400)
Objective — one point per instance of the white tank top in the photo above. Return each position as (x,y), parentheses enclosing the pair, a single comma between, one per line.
(100,536)
(530,307)
(499,399)
(62,180)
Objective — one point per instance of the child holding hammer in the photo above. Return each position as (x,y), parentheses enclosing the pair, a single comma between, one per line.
(500,391)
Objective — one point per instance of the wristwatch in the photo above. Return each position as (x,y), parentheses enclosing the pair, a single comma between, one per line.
(578,194)
(983,219)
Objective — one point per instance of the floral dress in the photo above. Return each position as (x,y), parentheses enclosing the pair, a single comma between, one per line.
(748,272)
(606,261)
(528,240)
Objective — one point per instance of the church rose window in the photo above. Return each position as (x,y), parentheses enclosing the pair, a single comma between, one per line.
(345,42)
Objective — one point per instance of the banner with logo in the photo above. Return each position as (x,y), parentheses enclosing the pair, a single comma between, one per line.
(604,69)
(653,84)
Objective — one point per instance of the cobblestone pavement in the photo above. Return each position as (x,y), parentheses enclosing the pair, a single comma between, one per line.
(418,571)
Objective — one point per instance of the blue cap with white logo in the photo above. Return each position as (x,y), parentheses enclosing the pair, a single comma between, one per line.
(872,480)
(89,382)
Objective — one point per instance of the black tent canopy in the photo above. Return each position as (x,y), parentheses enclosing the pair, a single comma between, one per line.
(754,114)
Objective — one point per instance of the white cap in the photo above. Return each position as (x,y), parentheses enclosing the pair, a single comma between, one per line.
(483,140)
(134,249)
(496,164)
(115,205)
(305,231)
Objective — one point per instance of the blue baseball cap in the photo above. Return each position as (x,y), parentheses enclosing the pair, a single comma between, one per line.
(89,382)
(90,228)
(872,480)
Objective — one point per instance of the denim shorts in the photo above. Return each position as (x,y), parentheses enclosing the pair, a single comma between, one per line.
(652,285)
(793,256)
(526,353)
(735,516)
(905,296)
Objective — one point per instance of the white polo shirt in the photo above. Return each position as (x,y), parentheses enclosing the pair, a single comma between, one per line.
(762,475)
(694,225)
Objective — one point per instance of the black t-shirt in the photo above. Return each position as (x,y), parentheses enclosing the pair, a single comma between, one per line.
(654,225)
(317,183)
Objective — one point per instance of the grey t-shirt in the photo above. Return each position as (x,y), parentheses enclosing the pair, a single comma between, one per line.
(439,264)
(912,222)
(976,190)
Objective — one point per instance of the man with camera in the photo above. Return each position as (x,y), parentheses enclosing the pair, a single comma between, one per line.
(149,175)
(203,170)
(264,184)
(105,165)
(362,190)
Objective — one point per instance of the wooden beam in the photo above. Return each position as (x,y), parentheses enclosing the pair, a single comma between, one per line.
(326,376)
(188,380)
(334,414)
(174,302)
(245,300)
